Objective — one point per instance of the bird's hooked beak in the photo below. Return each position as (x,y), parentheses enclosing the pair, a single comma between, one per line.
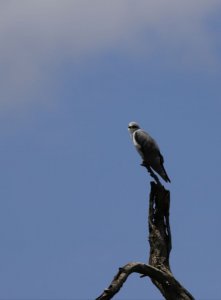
(130,130)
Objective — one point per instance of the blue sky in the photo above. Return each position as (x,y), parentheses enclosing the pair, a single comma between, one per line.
(74,198)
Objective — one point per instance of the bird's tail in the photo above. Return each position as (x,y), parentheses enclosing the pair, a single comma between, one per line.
(164,175)
(159,168)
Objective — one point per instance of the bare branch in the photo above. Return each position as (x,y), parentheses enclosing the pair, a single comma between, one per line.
(134,267)
(160,246)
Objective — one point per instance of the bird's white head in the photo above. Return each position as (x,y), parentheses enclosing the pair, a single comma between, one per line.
(132,127)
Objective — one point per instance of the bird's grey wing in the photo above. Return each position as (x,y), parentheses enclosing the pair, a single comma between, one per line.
(146,145)
(150,152)
(145,140)
(161,158)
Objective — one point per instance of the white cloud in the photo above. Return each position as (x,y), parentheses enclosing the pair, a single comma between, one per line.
(37,34)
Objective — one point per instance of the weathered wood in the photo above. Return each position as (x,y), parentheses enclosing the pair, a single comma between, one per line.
(133,267)
(160,246)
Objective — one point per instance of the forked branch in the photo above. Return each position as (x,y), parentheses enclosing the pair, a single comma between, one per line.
(160,246)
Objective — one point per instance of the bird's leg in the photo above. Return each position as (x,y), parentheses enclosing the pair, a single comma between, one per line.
(152,174)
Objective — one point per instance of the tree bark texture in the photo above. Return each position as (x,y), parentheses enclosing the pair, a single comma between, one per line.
(160,246)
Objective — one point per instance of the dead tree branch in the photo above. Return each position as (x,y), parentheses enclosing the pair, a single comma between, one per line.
(160,242)
(160,246)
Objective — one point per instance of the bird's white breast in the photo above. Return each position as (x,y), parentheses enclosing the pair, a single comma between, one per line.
(135,142)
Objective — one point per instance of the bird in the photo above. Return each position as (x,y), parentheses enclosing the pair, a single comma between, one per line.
(148,150)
